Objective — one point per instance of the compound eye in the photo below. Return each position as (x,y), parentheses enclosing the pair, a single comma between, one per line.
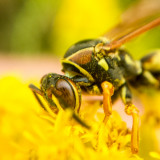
(65,93)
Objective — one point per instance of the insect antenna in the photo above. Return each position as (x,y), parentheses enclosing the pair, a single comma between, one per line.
(36,91)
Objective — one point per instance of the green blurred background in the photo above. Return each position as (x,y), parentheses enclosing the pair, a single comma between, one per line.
(51,26)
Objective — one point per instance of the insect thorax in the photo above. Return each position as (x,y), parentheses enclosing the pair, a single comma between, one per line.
(116,67)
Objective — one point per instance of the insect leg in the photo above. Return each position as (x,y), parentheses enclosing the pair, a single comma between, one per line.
(131,110)
(36,91)
(151,66)
(108,91)
(151,61)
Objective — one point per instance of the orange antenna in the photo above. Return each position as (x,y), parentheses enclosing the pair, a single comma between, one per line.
(117,43)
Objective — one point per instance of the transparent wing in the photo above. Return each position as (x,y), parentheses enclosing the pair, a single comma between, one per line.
(136,17)
(123,39)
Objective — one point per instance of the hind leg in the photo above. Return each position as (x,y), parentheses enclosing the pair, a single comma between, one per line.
(151,67)
(151,62)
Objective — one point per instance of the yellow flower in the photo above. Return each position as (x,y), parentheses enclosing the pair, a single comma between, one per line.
(155,155)
(28,132)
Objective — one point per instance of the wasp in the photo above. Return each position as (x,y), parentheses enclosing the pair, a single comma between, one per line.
(102,67)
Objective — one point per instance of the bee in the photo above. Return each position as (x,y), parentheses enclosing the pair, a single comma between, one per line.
(102,67)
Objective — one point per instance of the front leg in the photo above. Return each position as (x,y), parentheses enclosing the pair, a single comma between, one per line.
(108,91)
(130,109)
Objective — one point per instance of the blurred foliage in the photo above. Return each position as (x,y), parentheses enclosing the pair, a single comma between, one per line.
(52,26)
(126,3)
(26,26)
